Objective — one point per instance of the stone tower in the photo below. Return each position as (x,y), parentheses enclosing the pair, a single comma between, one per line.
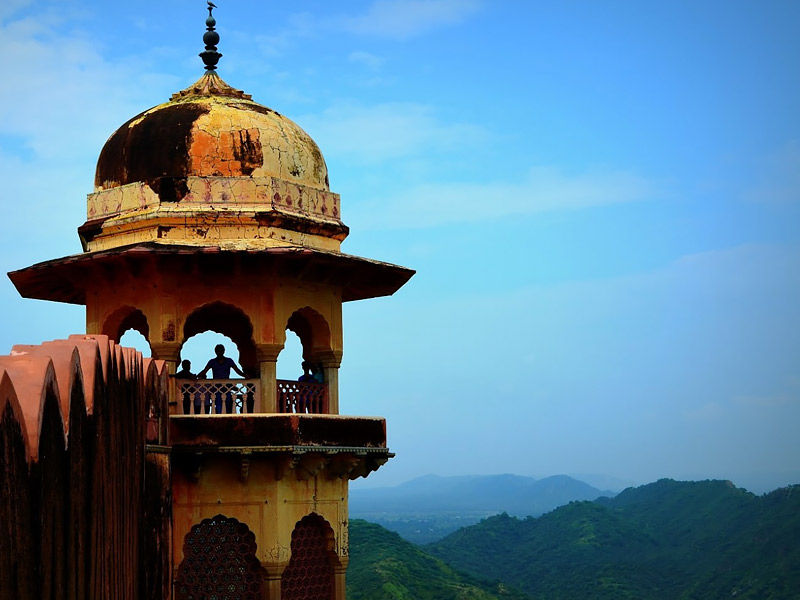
(211,212)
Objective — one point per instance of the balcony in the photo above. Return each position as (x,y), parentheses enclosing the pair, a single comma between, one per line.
(243,396)
(228,419)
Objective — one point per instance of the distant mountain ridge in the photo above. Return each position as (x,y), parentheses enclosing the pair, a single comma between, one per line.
(429,507)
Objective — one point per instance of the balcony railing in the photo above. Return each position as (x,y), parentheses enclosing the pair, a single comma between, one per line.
(302,397)
(219,396)
(243,396)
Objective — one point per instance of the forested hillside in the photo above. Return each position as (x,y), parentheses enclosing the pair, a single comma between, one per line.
(384,566)
(664,540)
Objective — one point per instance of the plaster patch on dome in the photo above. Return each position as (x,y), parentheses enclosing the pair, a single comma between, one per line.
(231,153)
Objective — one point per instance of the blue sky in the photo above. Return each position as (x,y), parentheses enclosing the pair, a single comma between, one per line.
(601,199)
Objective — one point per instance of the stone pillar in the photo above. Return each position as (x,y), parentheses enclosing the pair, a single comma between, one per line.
(330,361)
(268,360)
(339,571)
(272,579)
(169,352)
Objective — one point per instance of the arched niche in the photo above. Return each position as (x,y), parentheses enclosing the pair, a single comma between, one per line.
(18,535)
(123,319)
(219,561)
(52,483)
(310,572)
(230,321)
(312,329)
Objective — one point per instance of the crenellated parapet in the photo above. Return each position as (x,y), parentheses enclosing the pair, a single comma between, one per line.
(76,415)
(73,374)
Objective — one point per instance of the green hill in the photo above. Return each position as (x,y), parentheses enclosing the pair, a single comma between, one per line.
(383,566)
(664,540)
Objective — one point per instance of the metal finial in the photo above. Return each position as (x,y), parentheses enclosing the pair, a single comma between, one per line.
(211,38)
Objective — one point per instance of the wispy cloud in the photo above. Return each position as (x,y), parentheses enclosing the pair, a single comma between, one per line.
(401,19)
(373,134)
(367,59)
(778,177)
(9,7)
(59,93)
(542,189)
(710,411)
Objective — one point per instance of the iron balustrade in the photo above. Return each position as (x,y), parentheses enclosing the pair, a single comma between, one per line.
(219,396)
(302,397)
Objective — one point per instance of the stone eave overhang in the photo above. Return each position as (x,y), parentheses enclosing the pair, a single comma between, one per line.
(66,279)
(272,450)
(306,445)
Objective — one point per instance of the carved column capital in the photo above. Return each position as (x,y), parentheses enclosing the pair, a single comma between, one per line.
(268,352)
(327,358)
(169,351)
(274,569)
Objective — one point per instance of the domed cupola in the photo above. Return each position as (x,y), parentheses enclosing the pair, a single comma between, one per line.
(212,167)
(210,130)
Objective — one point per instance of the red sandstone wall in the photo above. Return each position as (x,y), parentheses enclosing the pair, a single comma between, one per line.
(77,518)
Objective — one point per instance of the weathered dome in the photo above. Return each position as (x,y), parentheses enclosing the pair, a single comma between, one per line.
(210,130)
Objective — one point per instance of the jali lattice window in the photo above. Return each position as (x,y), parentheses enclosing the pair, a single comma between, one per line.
(309,574)
(219,562)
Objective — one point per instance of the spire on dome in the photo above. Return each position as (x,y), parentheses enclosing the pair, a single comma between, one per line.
(210,55)
(210,84)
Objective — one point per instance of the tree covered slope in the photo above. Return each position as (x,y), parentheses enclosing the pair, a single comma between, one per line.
(383,566)
(664,540)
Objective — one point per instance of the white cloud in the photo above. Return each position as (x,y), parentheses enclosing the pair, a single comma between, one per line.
(59,94)
(541,189)
(402,19)
(372,134)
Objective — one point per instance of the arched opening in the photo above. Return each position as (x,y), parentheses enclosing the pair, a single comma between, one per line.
(207,329)
(309,573)
(302,386)
(230,321)
(133,339)
(312,329)
(124,319)
(199,349)
(219,561)
(290,359)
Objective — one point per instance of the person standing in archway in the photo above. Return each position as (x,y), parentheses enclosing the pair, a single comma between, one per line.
(220,367)
(186,374)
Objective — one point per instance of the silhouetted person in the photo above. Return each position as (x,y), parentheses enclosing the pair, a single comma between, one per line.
(303,402)
(317,373)
(186,373)
(306,377)
(220,367)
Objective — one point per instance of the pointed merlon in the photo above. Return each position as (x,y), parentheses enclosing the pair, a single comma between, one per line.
(210,55)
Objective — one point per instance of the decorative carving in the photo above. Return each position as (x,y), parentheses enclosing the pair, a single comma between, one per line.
(244,468)
(219,396)
(302,397)
(309,465)
(342,465)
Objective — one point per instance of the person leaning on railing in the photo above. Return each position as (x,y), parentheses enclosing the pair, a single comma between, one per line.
(220,367)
